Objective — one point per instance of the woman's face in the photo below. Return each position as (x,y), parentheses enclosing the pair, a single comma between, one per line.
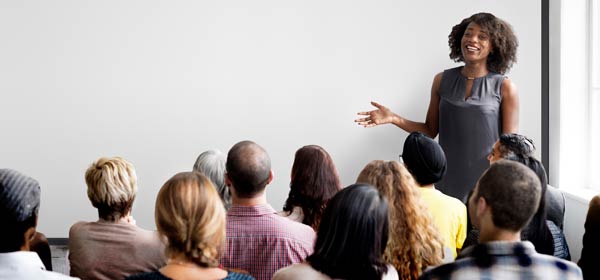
(475,43)
(495,153)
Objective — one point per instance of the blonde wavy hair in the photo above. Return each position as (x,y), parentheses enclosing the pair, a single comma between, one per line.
(414,242)
(111,187)
(189,214)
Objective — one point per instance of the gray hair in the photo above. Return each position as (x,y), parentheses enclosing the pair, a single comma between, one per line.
(211,163)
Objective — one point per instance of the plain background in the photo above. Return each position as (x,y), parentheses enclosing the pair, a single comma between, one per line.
(158,82)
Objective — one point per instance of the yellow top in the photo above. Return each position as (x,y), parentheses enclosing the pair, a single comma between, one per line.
(449,215)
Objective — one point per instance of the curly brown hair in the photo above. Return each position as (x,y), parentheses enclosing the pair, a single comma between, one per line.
(415,242)
(504,42)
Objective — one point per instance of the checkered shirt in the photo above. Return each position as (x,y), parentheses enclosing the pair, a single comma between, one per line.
(505,260)
(261,242)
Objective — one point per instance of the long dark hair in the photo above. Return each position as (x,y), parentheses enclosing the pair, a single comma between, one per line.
(314,182)
(537,231)
(353,235)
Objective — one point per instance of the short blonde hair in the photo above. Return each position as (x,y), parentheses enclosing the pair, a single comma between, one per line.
(111,187)
(190,215)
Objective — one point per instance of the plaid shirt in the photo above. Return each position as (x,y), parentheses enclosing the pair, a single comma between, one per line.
(505,260)
(261,242)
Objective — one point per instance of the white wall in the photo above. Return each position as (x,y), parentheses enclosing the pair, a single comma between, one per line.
(158,82)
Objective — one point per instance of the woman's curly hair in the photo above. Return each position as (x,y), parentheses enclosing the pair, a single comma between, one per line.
(414,242)
(504,42)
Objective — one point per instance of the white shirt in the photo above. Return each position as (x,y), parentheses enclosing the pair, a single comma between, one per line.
(25,265)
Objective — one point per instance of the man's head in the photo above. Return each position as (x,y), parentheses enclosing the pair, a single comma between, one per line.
(19,205)
(424,158)
(248,169)
(508,194)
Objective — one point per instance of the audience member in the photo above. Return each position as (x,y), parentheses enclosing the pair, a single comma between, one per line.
(190,216)
(426,161)
(591,243)
(19,207)
(546,237)
(40,245)
(212,164)
(504,200)
(516,145)
(351,240)
(112,247)
(258,240)
(314,181)
(415,242)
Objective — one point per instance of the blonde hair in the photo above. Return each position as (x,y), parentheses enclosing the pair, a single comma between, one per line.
(190,215)
(414,242)
(111,187)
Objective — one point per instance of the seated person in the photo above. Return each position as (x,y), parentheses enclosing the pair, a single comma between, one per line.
(314,182)
(516,145)
(211,163)
(415,242)
(591,243)
(504,199)
(258,240)
(351,240)
(190,216)
(426,161)
(19,206)
(542,232)
(112,247)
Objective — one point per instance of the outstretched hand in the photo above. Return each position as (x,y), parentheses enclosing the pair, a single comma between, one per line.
(381,115)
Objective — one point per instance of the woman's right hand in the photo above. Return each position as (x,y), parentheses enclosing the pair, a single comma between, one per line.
(381,115)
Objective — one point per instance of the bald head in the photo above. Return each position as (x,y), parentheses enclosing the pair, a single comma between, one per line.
(248,168)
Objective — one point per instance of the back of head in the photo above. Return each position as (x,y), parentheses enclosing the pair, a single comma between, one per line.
(248,168)
(424,158)
(19,206)
(212,164)
(512,144)
(353,235)
(111,187)
(513,193)
(190,215)
(314,182)
(415,242)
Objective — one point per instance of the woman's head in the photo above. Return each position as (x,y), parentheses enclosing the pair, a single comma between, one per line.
(212,164)
(111,187)
(314,181)
(414,241)
(190,215)
(511,145)
(499,34)
(353,235)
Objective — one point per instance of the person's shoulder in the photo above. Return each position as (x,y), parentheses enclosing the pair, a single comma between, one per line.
(557,264)
(298,271)
(78,229)
(444,271)
(153,275)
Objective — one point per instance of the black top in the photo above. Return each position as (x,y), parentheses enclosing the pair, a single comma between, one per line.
(155,275)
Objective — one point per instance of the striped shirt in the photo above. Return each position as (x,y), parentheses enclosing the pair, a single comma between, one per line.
(261,242)
(505,260)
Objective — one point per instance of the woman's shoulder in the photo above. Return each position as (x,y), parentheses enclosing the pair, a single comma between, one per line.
(299,271)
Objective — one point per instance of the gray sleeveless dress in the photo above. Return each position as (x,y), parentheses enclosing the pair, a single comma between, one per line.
(468,128)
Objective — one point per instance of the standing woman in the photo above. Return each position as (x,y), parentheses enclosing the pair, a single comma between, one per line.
(470,105)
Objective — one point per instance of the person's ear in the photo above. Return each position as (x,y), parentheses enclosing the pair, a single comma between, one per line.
(227,181)
(481,206)
(28,238)
(270,177)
